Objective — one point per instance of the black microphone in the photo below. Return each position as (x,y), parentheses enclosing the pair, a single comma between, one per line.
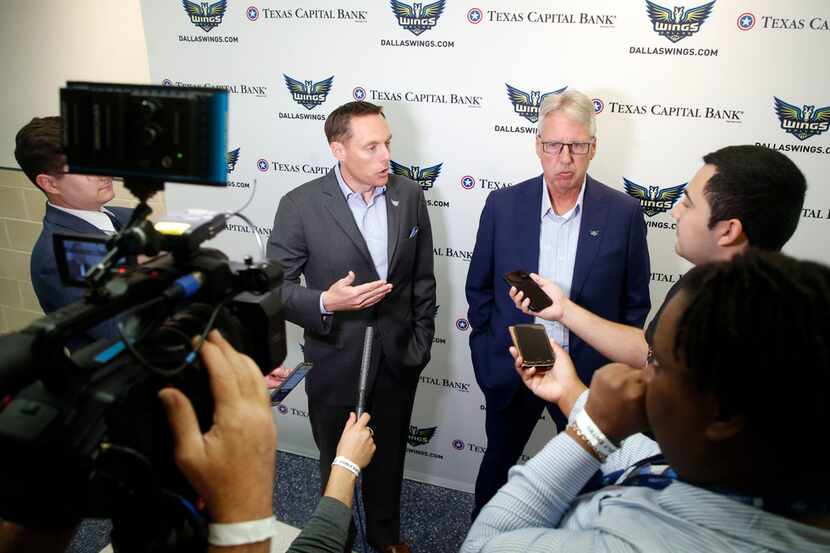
(364,369)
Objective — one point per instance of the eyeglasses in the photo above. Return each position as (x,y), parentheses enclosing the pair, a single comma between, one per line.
(575,148)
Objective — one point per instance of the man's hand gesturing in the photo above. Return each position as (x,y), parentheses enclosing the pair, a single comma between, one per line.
(342,296)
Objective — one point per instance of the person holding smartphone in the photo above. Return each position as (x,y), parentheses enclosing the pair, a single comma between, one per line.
(573,230)
(742,197)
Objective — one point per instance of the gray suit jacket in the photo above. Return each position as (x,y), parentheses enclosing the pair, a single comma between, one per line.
(315,235)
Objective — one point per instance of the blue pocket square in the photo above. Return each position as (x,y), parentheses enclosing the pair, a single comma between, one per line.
(414,232)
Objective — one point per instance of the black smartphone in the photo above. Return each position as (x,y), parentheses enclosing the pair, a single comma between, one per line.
(534,346)
(294,377)
(522,281)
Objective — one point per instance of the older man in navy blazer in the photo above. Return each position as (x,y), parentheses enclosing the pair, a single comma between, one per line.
(571,229)
(75,205)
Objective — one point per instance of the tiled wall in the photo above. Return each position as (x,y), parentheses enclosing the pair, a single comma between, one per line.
(21,215)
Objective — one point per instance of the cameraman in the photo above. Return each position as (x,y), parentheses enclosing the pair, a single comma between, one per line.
(229,465)
(232,465)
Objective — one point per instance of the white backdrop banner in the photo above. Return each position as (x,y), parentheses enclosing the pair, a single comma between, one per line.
(460,82)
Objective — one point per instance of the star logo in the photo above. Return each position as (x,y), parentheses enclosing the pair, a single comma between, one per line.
(166,82)
(462,324)
(475,16)
(746,21)
(599,105)
(359,93)
(458,444)
(468,182)
(262,165)
(282,408)
(252,13)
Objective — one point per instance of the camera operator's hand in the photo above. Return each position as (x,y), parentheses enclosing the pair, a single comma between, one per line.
(342,296)
(560,385)
(616,403)
(232,465)
(357,445)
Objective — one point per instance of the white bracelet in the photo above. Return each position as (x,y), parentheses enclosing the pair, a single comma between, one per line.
(240,533)
(341,461)
(596,437)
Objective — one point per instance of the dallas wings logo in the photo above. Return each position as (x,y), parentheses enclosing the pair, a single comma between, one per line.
(425,177)
(203,15)
(678,23)
(420,436)
(654,199)
(526,104)
(307,93)
(804,122)
(417,18)
(232,158)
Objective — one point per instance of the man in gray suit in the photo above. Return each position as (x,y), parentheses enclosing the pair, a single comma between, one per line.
(363,241)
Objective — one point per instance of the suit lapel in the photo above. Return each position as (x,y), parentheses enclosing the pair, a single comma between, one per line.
(336,205)
(591,233)
(393,220)
(529,225)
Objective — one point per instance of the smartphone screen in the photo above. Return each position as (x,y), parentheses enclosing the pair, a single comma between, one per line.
(76,255)
(522,281)
(278,394)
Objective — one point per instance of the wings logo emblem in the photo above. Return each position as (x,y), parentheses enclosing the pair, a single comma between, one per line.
(654,199)
(802,122)
(203,15)
(420,436)
(307,93)
(425,177)
(417,18)
(526,104)
(678,23)
(232,157)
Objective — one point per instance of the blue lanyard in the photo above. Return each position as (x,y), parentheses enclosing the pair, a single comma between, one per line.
(655,473)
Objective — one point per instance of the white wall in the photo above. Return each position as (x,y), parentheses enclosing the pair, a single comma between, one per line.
(44,43)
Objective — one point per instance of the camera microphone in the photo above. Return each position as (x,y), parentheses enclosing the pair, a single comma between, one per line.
(364,369)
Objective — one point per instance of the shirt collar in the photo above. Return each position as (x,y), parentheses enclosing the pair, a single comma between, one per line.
(99,219)
(348,192)
(571,212)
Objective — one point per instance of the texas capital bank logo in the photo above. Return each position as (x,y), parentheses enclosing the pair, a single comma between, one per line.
(653,199)
(205,15)
(677,23)
(526,104)
(308,93)
(417,17)
(802,122)
(423,176)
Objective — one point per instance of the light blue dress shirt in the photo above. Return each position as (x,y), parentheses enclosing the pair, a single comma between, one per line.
(558,239)
(371,221)
(541,510)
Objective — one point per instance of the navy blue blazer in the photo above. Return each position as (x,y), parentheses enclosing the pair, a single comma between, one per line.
(51,293)
(611,275)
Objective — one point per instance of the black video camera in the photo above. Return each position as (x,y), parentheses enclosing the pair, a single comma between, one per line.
(82,433)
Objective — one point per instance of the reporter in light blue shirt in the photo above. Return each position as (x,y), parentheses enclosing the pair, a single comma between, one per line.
(726,472)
